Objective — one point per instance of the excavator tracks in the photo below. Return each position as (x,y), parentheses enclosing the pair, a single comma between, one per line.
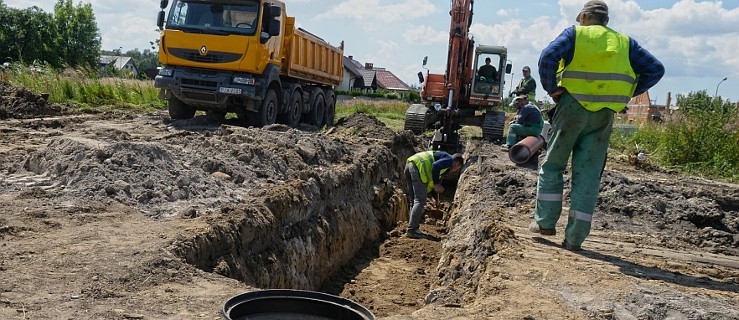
(415,118)
(492,126)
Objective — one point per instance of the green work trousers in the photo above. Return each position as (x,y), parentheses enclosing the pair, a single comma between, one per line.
(585,135)
(516,132)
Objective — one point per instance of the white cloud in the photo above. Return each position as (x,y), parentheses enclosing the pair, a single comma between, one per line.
(692,39)
(424,34)
(130,31)
(371,14)
(385,51)
(503,13)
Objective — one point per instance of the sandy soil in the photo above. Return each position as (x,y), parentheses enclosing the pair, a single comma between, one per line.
(96,211)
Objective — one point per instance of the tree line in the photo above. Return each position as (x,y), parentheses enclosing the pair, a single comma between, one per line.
(67,37)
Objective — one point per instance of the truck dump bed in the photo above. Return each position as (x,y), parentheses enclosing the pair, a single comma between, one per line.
(311,58)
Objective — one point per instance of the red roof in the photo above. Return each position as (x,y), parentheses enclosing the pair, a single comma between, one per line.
(387,80)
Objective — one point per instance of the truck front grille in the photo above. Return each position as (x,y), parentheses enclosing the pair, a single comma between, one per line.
(210,57)
(199,83)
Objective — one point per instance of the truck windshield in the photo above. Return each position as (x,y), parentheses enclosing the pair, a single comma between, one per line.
(488,73)
(215,17)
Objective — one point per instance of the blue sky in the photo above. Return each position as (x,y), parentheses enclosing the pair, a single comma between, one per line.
(698,41)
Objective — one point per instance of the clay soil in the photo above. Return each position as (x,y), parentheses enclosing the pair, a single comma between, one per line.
(96,208)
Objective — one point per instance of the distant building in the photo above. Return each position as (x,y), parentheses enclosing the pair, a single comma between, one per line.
(351,75)
(120,63)
(642,109)
(388,81)
(369,78)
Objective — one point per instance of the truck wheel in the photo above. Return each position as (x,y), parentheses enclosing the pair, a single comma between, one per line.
(267,112)
(178,110)
(294,111)
(317,111)
(330,111)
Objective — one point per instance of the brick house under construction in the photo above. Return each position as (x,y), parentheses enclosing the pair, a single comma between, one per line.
(641,109)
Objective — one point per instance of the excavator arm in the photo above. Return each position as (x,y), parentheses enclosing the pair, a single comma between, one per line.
(459,59)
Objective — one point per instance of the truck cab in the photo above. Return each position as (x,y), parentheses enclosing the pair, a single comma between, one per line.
(220,56)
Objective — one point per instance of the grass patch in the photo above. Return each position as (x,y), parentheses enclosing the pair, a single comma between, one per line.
(701,139)
(89,94)
(391,113)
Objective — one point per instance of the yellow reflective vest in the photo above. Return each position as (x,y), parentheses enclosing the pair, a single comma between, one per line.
(600,74)
(531,95)
(424,161)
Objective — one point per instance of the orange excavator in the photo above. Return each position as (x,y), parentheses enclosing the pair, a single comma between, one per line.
(468,94)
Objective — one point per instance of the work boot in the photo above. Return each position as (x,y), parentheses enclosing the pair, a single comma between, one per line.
(535,228)
(505,148)
(570,247)
(415,234)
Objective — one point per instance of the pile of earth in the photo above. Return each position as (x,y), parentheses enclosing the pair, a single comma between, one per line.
(364,126)
(677,212)
(186,173)
(21,103)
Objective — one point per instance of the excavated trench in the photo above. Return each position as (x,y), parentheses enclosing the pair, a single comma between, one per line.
(300,232)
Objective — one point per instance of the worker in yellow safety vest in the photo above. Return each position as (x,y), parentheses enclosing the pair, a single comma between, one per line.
(591,72)
(527,86)
(423,174)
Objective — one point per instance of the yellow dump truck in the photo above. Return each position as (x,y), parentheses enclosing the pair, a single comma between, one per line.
(245,57)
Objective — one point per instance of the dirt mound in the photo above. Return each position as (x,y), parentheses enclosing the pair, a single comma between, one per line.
(672,209)
(170,176)
(20,103)
(364,126)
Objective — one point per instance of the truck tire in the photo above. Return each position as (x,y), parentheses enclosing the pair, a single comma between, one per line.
(267,112)
(294,111)
(178,110)
(330,110)
(317,112)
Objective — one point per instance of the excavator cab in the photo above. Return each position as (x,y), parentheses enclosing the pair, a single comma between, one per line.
(490,65)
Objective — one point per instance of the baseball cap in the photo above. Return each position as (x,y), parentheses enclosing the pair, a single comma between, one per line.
(593,6)
(513,102)
(526,68)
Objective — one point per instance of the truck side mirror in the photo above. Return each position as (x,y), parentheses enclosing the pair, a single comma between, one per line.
(163,4)
(274,28)
(275,11)
(271,26)
(420,76)
(508,68)
(160,20)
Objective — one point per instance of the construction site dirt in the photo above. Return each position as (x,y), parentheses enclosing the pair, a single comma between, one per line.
(120,216)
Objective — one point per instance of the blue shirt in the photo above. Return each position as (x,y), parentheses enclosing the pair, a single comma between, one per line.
(442,160)
(647,68)
(528,115)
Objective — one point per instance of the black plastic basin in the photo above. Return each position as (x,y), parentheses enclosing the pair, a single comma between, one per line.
(285,304)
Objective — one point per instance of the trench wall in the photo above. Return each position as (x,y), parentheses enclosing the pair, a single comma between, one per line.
(306,229)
